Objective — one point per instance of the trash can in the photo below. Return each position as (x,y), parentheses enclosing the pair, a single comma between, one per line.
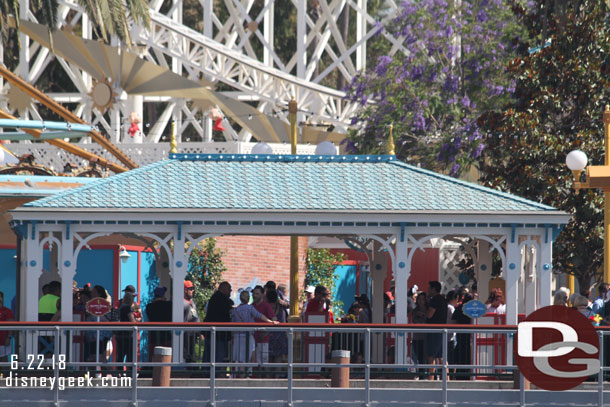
(162,374)
(340,375)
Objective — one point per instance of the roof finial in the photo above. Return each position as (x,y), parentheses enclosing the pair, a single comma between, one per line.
(389,147)
(173,144)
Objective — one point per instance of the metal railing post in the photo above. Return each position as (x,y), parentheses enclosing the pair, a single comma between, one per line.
(444,372)
(600,377)
(55,371)
(290,364)
(521,389)
(134,366)
(97,344)
(367,367)
(213,367)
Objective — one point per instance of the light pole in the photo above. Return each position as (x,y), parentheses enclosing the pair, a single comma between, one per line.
(294,240)
(596,176)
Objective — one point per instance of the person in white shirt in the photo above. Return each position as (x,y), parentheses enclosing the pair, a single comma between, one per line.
(495,302)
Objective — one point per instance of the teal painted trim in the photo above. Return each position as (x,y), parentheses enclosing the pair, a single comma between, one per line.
(287,158)
(513,227)
(351,246)
(34,222)
(557,230)
(42,125)
(47,135)
(402,232)
(68,230)
(20,230)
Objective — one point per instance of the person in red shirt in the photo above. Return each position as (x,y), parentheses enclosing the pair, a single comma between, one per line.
(320,303)
(5,315)
(261,339)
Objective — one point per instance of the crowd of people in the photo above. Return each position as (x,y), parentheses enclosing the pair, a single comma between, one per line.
(597,310)
(435,308)
(269,304)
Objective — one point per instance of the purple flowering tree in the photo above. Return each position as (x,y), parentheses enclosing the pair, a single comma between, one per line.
(452,69)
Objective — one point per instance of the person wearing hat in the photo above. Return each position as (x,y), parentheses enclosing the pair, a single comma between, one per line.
(190,315)
(309,290)
(159,310)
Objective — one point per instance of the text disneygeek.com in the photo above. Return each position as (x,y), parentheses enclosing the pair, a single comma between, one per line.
(62,383)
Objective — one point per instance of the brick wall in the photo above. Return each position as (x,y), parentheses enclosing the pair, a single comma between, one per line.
(265,257)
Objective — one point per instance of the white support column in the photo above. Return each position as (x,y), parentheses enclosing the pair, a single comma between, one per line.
(24,52)
(32,267)
(301,41)
(483,270)
(379,270)
(360,33)
(378,274)
(402,270)
(512,272)
(208,12)
(178,268)
(268,35)
(208,31)
(546,270)
(67,268)
(531,282)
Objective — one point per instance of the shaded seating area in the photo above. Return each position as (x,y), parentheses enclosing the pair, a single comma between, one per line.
(178,202)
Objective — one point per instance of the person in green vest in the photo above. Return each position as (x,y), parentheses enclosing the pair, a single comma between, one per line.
(47,305)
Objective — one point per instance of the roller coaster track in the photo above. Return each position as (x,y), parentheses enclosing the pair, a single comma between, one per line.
(202,56)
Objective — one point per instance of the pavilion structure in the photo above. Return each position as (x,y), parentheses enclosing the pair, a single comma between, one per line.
(190,197)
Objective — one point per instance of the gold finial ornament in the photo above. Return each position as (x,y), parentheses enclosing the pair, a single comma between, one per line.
(173,144)
(389,147)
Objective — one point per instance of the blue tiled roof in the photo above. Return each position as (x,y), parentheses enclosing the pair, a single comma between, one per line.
(291,183)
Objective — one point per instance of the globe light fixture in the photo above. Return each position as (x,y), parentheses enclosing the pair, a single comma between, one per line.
(124,255)
(262,149)
(576,160)
(326,148)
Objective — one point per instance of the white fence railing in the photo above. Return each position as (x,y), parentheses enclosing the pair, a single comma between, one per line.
(142,153)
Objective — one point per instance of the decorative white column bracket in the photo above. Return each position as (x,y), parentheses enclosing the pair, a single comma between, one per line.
(177,269)
(32,269)
(402,270)
(67,270)
(512,270)
(546,269)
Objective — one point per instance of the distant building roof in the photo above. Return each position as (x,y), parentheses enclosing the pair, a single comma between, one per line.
(237,182)
(38,186)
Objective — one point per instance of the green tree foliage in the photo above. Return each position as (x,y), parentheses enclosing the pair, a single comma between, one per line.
(562,86)
(109,17)
(321,265)
(205,271)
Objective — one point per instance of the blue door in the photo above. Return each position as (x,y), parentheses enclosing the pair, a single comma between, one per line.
(345,286)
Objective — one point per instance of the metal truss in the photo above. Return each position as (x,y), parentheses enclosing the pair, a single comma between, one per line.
(236,48)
